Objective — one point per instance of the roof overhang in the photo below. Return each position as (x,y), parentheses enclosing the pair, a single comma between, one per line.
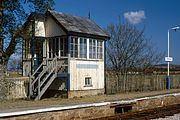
(71,33)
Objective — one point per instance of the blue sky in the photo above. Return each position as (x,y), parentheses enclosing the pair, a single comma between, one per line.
(156,15)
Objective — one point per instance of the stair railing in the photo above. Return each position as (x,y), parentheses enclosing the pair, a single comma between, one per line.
(31,77)
(50,67)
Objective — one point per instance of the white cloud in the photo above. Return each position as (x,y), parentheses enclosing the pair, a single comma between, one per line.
(135,17)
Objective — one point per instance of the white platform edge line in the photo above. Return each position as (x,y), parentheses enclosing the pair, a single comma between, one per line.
(61,108)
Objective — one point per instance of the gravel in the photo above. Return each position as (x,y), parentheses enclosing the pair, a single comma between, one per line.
(174,117)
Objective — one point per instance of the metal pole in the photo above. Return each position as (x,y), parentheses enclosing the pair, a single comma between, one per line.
(168,52)
(168,78)
(169,59)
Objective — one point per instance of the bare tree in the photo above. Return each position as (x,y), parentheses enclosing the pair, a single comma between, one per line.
(129,50)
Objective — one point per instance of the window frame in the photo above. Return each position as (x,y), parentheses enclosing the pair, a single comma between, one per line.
(74,47)
(57,46)
(100,49)
(88,82)
(92,49)
(86,48)
(83,48)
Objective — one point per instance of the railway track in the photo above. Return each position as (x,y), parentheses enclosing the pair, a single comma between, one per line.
(148,114)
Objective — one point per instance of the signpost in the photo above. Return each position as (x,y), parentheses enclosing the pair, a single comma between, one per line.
(168,59)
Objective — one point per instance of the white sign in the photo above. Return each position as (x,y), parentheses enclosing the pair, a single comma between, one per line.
(168,59)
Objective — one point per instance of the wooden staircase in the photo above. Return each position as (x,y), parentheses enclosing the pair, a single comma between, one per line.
(43,77)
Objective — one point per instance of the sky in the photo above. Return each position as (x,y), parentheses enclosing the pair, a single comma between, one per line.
(157,16)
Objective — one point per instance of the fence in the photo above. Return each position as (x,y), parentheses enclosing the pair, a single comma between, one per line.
(138,82)
(11,88)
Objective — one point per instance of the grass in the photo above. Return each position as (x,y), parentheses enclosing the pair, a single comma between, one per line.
(25,103)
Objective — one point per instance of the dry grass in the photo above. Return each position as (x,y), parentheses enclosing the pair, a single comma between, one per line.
(22,103)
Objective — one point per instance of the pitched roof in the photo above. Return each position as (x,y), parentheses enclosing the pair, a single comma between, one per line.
(78,24)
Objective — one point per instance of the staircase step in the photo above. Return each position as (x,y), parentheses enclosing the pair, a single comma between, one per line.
(45,78)
(46,86)
(45,74)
